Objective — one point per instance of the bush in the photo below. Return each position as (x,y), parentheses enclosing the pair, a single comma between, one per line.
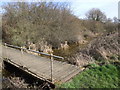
(24,22)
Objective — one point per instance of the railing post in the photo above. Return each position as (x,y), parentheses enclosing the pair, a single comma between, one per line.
(51,59)
(21,50)
(5,49)
(5,44)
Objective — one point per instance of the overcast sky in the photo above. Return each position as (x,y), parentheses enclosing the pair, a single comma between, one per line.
(80,7)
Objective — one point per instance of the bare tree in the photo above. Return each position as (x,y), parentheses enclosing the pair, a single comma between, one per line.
(115,20)
(96,14)
(24,22)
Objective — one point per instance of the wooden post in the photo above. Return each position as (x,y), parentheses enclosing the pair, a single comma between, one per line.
(51,58)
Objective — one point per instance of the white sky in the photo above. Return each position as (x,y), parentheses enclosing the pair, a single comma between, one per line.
(80,7)
(109,8)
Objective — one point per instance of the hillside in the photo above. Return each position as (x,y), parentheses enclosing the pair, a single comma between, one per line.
(105,47)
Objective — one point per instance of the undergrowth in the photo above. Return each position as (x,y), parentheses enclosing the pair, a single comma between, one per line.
(105,76)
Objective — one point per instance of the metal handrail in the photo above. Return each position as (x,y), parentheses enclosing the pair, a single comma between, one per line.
(38,53)
(33,51)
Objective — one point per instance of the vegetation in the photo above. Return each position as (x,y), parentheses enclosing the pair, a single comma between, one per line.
(35,22)
(48,24)
(96,14)
(51,25)
(106,76)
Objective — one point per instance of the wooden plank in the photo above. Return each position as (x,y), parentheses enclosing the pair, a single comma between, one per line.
(41,66)
(71,75)
(64,73)
(28,71)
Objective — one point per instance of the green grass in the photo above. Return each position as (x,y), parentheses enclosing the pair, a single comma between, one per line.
(106,76)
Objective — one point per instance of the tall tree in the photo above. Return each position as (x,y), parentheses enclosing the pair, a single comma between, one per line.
(96,14)
(115,20)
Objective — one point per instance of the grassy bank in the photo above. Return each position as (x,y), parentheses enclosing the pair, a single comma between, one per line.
(105,76)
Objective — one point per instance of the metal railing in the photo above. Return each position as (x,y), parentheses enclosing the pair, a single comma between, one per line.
(41,53)
(21,48)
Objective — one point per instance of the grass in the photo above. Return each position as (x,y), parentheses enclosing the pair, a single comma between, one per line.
(106,76)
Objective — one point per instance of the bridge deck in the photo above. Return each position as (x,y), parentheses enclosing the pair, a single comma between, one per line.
(40,66)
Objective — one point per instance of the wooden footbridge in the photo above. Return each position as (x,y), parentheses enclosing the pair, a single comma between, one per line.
(43,68)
